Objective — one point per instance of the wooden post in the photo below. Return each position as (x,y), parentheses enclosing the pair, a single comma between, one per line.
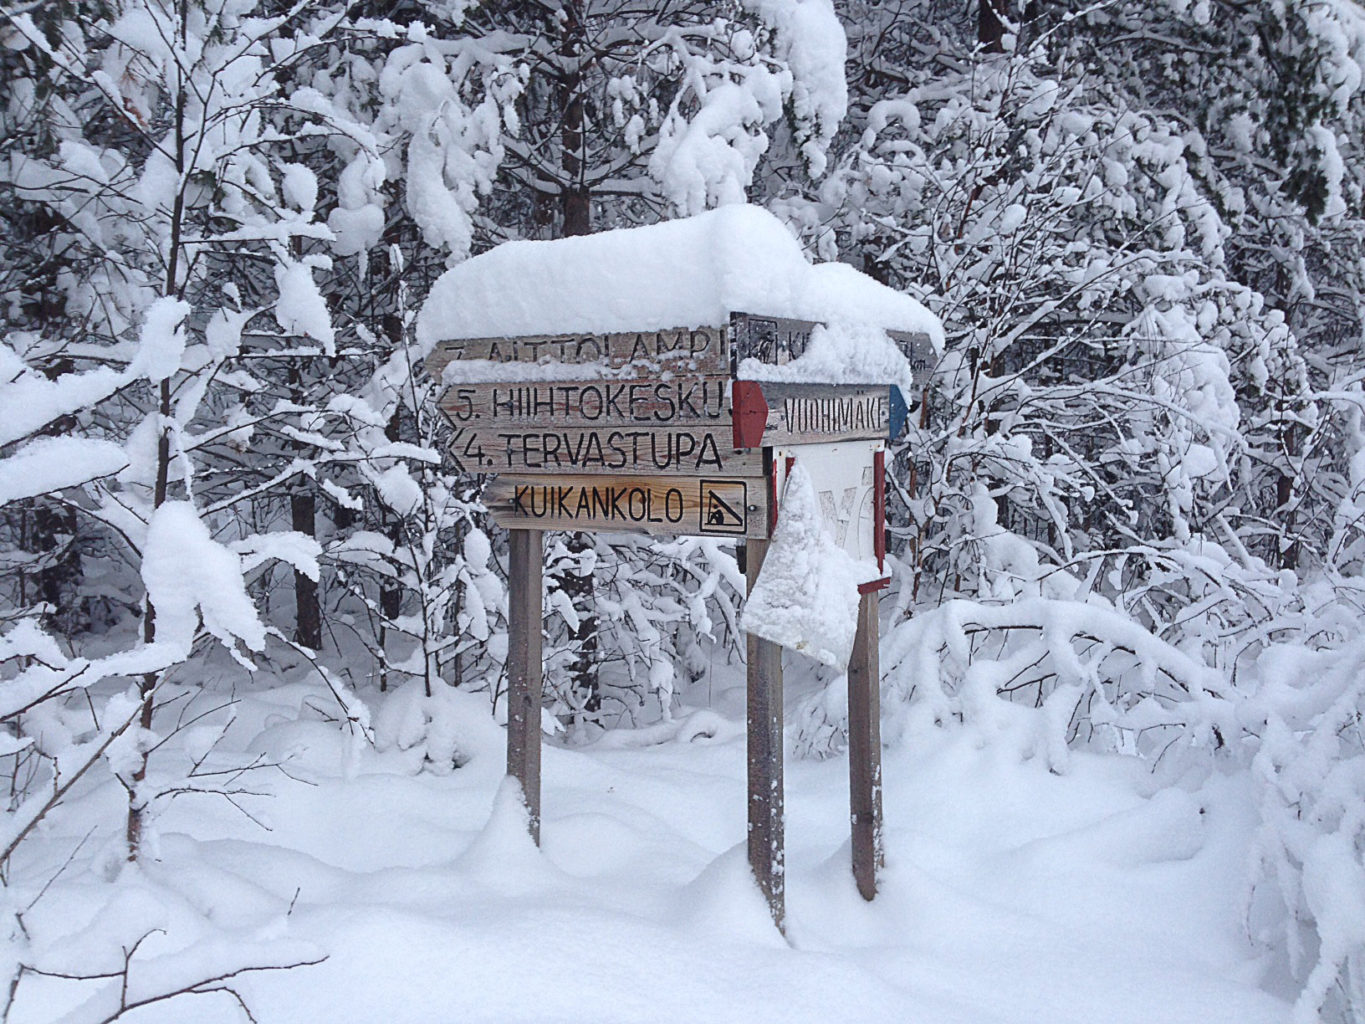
(525,562)
(766,853)
(865,749)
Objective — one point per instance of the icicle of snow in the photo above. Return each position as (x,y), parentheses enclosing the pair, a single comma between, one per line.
(358,220)
(299,186)
(223,333)
(812,40)
(301,308)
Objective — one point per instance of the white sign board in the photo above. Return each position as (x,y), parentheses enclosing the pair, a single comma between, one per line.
(847,479)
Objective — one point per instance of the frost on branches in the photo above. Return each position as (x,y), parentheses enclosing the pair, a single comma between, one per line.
(1129,516)
(1130,506)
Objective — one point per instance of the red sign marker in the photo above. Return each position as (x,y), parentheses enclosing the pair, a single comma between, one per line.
(750,413)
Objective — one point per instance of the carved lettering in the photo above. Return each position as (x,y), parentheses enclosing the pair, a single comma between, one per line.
(717,506)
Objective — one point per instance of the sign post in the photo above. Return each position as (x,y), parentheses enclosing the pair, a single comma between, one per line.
(525,667)
(865,749)
(763,710)
(664,441)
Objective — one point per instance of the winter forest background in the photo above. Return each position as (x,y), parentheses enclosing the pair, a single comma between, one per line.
(1130,514)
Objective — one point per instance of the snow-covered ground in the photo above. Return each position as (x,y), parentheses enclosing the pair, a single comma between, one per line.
(1011,894)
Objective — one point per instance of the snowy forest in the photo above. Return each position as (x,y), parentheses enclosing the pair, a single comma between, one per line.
(240,586)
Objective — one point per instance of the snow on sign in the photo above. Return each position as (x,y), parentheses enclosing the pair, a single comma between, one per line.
(780,340)
(848,478)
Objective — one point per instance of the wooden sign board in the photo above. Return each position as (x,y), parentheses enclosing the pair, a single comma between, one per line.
(670,451)
(778,340)
(599,403)
(699,350)
(767,414)
(668,506)
(769,339)
(919,350)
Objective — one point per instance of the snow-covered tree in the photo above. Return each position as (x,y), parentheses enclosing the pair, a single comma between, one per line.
(1141,225)
(164,225)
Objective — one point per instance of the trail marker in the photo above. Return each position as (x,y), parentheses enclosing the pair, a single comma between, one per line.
(649,431)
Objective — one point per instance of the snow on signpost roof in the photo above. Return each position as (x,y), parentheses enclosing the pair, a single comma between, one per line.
(692,272)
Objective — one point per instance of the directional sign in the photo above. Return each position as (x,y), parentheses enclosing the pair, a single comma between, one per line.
(778,340)
(919,350)
(699,350)
(700,506)
(680,427)
(673,451)
(769,339)
(683,425)
(600,403)
(767,414)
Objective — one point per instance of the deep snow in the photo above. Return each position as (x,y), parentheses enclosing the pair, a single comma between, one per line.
(690,272)
(1011,894)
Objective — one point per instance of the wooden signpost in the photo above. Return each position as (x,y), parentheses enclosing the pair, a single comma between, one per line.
(777,340)
(703,350)
(649,431)
(550,448)
(665,506)
(767,414)
(604,402)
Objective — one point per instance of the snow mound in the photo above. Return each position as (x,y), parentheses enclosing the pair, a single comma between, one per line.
(440,732)
(691,272)
(503,855)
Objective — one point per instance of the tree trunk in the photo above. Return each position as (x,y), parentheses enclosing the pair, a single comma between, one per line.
(990,29)
(146,687)
(575,202)
(390,590)
(54,534)
(576,219)
(307,610)
(1288,547)
(137,802)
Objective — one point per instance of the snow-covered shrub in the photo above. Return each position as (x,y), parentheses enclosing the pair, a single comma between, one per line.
(665,607)
(1302,714)
(1134,481)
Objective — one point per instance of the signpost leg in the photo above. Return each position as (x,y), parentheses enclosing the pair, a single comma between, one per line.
(525,562)
(766,854)
(865,749)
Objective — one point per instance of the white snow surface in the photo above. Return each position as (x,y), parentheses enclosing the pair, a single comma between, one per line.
(188,574)
(691,272)
(840,352)
(1011,894)
(49,464)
